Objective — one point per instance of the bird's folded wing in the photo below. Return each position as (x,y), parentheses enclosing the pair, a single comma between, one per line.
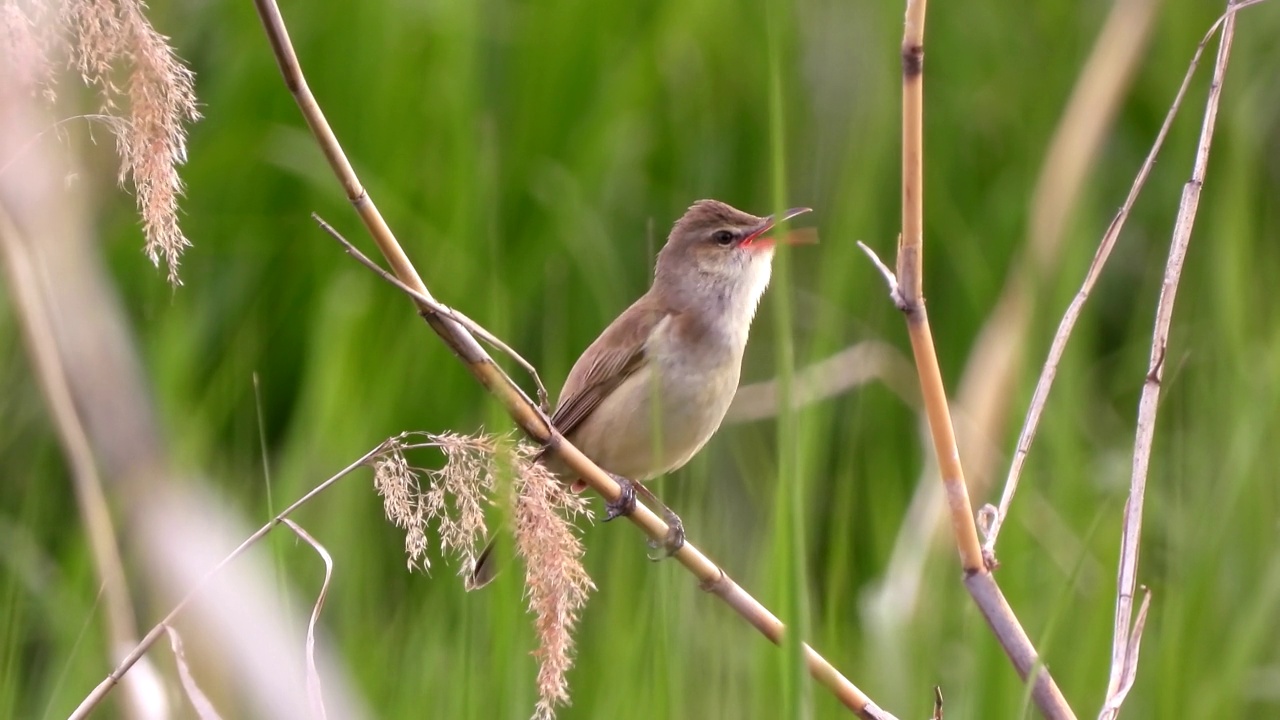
(617,354)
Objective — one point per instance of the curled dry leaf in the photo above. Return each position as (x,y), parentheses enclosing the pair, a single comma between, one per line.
(315,692)
(199,701)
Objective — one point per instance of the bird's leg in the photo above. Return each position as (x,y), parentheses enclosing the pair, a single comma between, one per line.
(626,502)
(675,528)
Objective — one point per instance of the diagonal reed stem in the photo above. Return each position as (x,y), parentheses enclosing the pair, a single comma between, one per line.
(525,413)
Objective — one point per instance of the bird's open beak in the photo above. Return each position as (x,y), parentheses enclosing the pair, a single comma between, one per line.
(754,240)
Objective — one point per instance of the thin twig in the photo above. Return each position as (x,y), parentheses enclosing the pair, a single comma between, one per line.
(527,415)
(315,691)
(1124,648)
(910,299)
(994,518)
(439,309)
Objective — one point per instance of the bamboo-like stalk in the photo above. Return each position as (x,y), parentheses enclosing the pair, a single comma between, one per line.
(982,396)
(525,413)
(1126,641)
(909,297)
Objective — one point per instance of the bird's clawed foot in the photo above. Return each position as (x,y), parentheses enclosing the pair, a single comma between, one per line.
(626,502)
(674,540)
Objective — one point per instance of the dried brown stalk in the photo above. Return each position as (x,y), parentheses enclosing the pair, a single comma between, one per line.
(83,341)
(91,499)
(907,291)
(526,414)
(1126,642)
(995,517)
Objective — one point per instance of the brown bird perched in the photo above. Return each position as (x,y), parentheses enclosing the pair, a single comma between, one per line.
(654,387)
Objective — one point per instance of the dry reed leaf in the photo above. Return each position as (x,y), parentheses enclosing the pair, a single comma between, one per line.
(315,691)
(199,701)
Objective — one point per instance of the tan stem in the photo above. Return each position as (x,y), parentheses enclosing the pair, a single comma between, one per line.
(909,297)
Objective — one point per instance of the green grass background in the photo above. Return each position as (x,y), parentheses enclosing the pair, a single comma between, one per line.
(531,156)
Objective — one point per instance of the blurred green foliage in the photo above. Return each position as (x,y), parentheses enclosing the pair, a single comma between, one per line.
(530,156)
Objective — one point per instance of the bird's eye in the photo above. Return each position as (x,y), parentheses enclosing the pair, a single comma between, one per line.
(724,238)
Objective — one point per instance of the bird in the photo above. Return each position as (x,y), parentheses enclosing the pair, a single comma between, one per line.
(653,388)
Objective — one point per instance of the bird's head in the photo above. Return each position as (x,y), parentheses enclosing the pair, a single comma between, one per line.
(718,255)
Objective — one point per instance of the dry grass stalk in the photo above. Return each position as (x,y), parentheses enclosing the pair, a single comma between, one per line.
(1126,643)
(78,323)
(993,517)
(526,414)
(26,279)
(95,697)
(909,294)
